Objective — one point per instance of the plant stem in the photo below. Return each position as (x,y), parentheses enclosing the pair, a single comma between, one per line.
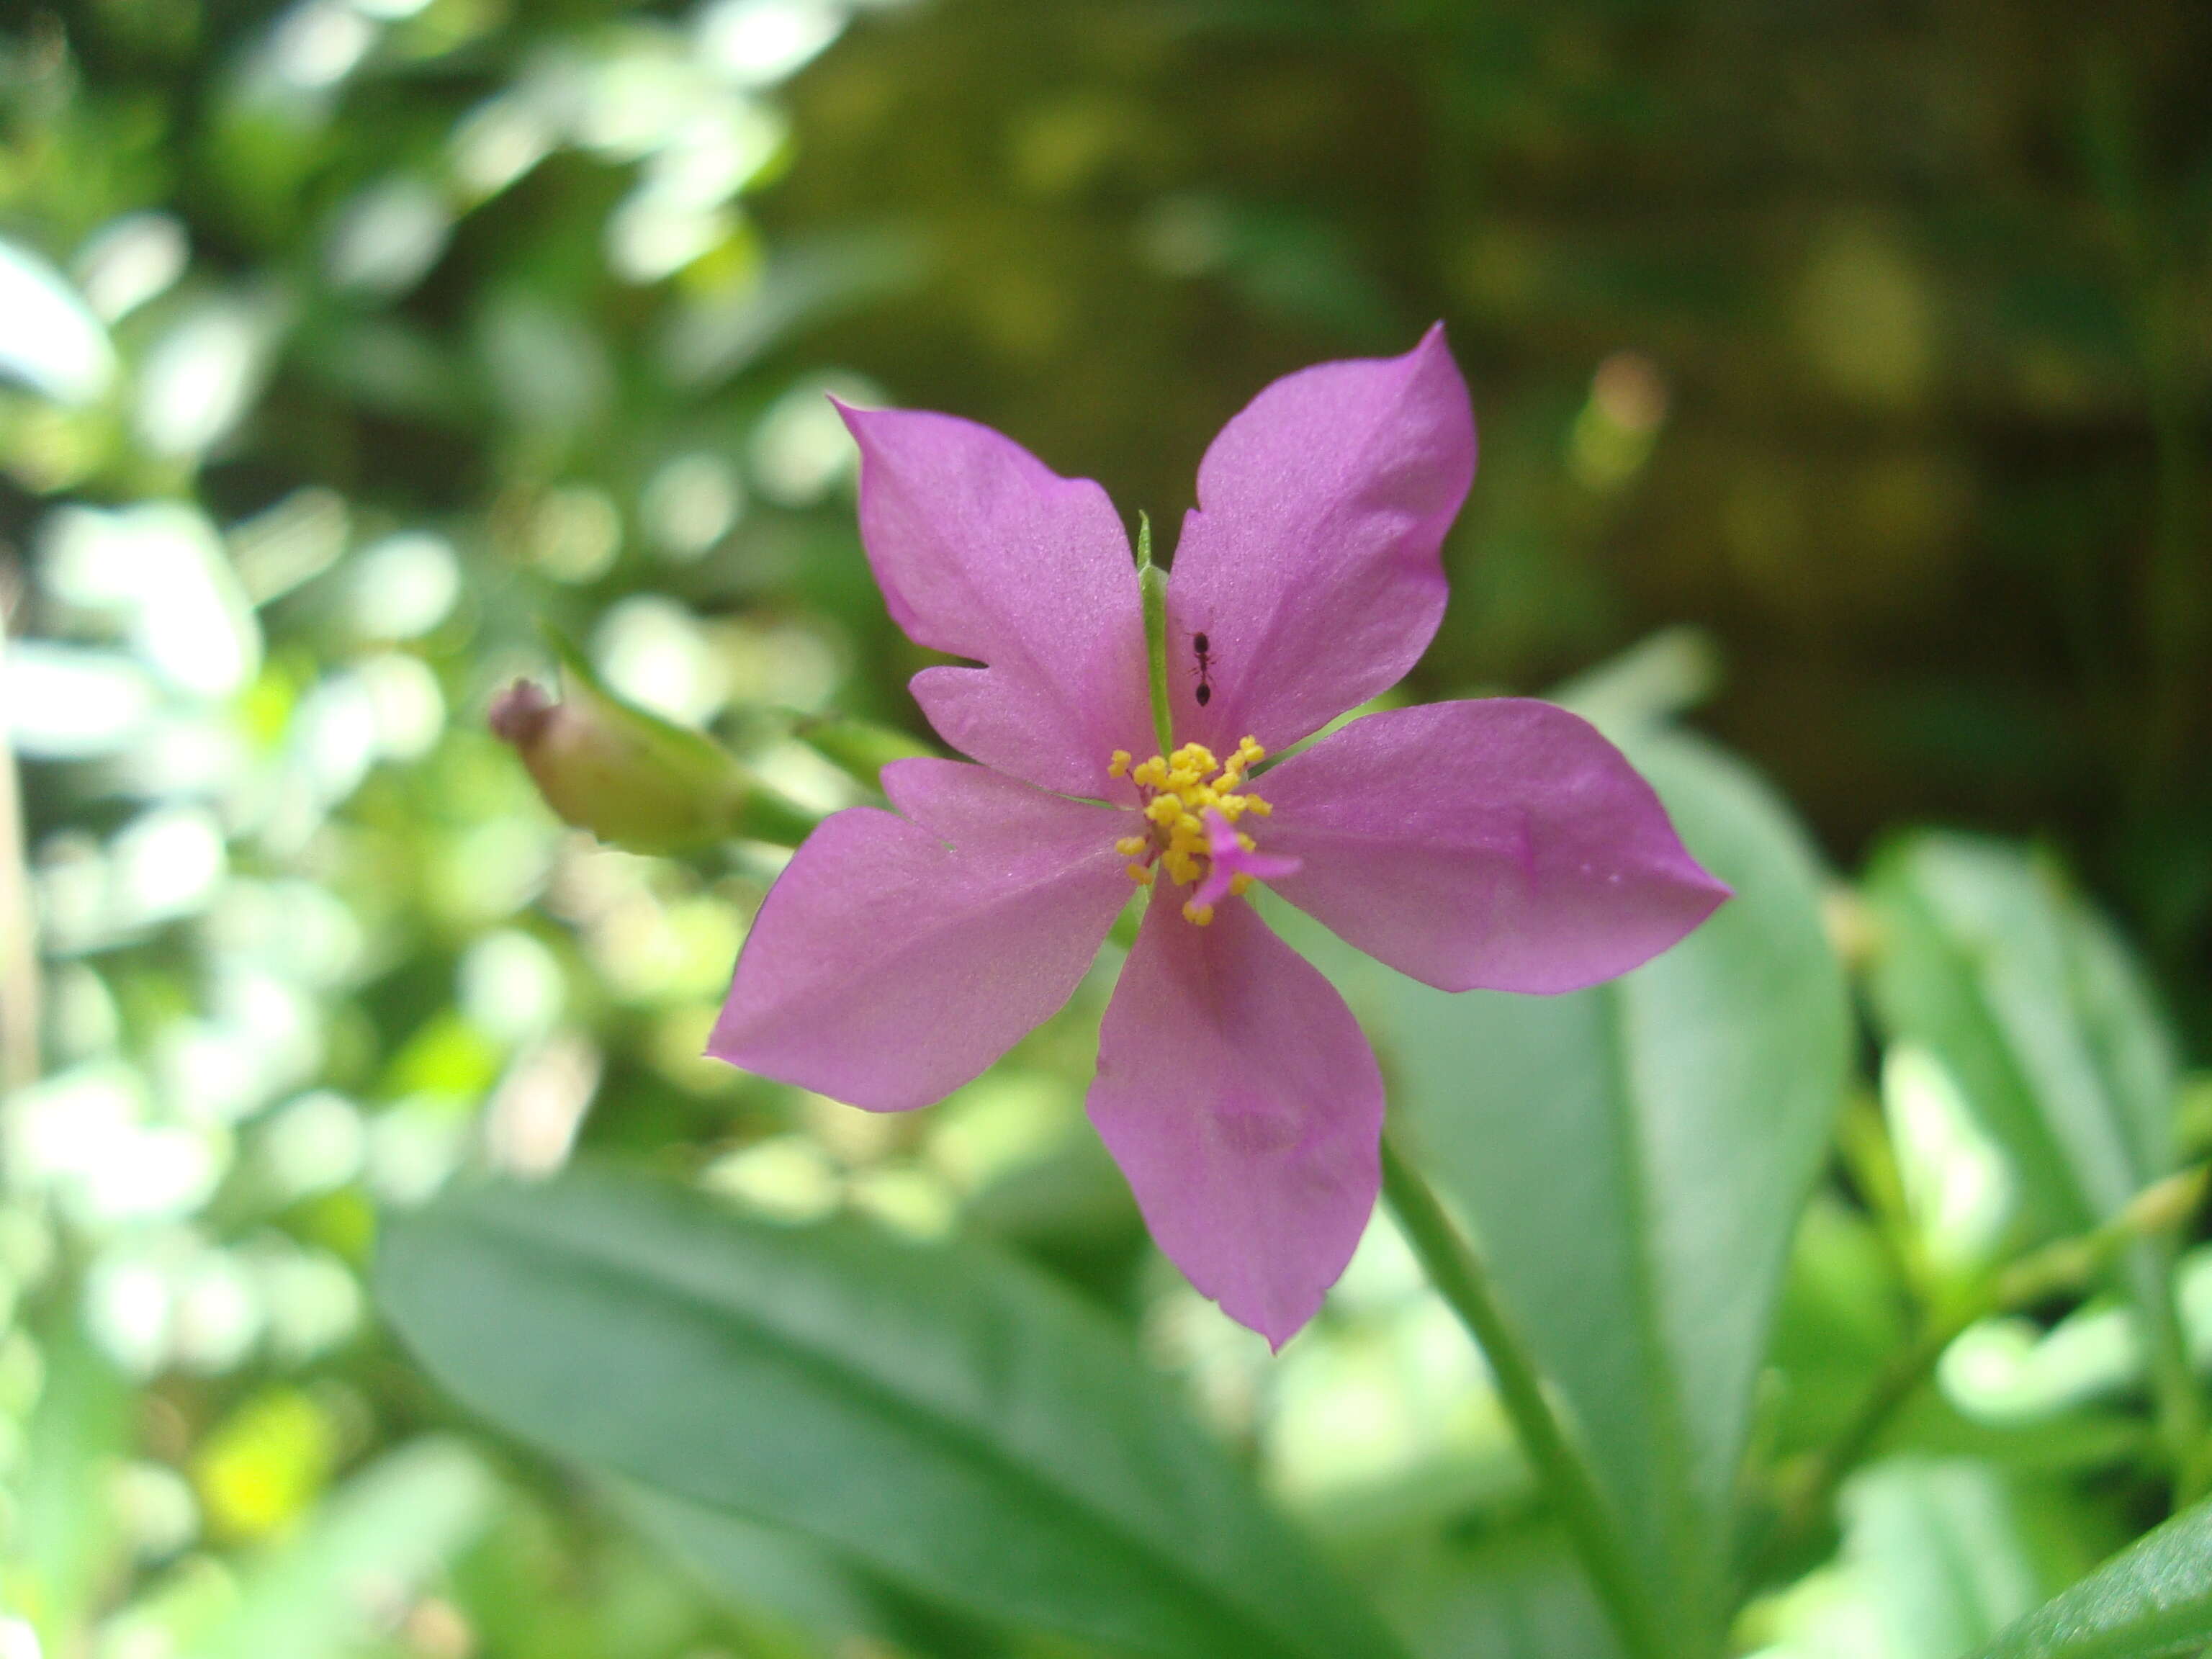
(1461,1279)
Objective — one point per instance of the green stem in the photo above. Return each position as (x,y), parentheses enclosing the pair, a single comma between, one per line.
(1153,582)
(1461,1279)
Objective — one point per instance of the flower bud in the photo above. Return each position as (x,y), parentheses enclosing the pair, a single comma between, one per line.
(632,778)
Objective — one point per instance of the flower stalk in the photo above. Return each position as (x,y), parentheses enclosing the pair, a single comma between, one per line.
(1460,1277)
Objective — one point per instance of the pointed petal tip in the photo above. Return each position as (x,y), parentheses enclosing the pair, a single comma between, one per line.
(736,1049)
(856,419)
(1271,1319)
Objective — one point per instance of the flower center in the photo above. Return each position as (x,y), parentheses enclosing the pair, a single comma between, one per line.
(1194,803)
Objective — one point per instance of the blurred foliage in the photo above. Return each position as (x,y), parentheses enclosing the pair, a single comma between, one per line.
(344,342)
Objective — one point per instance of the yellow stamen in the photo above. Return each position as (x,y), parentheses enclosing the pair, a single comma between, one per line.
(1177,791)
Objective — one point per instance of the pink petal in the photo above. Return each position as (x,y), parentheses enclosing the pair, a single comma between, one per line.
(1311,564)
(1240,1100)
(982,551)
(887,967)
(1502,845)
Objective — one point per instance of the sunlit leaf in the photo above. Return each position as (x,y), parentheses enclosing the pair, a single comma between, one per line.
(1937,1554)
(49,339)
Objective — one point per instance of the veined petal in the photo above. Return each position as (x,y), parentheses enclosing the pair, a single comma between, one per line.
(983,552)
(1311,562)
(1502,845)
(894,960)
(1243,1102)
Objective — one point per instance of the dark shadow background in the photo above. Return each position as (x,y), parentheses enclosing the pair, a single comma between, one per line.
(1906,309)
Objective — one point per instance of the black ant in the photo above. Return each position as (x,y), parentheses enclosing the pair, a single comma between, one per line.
(1199,644)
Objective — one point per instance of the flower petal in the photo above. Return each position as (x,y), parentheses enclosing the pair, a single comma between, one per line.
(1502,845)
(888,965)
(983,552)
(1310,563)
(1242,1103)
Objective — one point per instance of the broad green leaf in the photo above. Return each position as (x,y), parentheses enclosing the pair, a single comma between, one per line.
(1984,958)
(1633,1158)
(2152,1600)
(315,1596)
(938,1415)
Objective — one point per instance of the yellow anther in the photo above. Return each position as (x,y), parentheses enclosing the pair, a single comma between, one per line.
(1179,790)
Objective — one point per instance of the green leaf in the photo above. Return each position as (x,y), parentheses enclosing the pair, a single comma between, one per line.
(1633,1158)
(1986,957)
(1937,1550)
(1513,1592)
(2152,1600)
(938,1415)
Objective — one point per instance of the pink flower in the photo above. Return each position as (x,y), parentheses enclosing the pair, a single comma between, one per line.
(1501,844)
